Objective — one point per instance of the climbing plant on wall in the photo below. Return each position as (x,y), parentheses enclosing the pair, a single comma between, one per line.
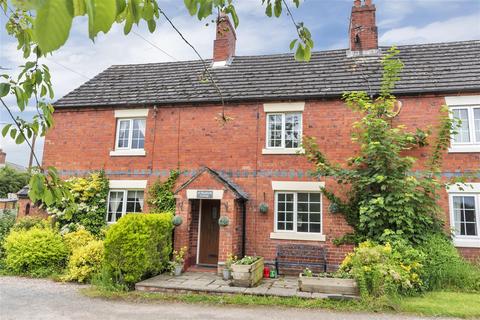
(378,194)
(89,195)
(160,194)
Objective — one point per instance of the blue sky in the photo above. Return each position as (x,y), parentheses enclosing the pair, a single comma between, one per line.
(399,22)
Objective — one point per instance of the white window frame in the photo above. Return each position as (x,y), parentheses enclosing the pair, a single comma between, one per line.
(128,151)
(282,149)
(283,108)
(124,203)
(462,190)
(470,103)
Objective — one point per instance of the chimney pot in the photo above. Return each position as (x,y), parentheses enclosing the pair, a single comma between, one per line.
(368,2)
(357,3)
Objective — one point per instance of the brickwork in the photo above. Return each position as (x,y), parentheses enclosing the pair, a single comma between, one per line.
(189,137)
(28,209)
(363,28)
(3,157)
(224,44)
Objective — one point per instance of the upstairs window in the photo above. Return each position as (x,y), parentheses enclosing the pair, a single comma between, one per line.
(121,202)
(284,130)
(465,111)
(130,134)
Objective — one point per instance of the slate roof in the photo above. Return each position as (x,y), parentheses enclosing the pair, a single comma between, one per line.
(429,68)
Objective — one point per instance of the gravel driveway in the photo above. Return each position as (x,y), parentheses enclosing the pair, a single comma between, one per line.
(22,298)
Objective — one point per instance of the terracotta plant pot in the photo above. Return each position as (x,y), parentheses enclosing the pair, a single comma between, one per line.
(328,285)
(248,275)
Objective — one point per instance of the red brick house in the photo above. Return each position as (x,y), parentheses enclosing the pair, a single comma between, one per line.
(137,122)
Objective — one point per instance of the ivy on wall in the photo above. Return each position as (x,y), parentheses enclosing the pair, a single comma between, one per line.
(160,194)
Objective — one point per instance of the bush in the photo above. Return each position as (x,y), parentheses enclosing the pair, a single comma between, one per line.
(28,223)
(138,246)
(7,220)
(35,252)
(89,194)
(385,270)
(444,268)
(85,262)
(77,239)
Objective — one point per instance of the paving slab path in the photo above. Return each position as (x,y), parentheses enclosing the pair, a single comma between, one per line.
(22,298)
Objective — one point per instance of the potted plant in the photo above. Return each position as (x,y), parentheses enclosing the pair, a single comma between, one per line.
(248,271)
(326,283)
(178,261)
(227,271)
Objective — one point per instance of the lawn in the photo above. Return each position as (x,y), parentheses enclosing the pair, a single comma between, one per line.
(450,304)
(442,303)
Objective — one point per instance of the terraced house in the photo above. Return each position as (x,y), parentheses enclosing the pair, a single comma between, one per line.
(137,122)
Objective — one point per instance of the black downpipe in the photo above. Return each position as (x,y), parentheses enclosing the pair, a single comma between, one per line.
(244,226)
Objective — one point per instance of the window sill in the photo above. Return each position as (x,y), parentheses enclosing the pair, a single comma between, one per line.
(284,151)
(126,153)
(466,243)
(464,148)
(297,236)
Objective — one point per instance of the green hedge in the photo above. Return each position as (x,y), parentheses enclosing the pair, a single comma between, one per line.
(36,252)
(138,246)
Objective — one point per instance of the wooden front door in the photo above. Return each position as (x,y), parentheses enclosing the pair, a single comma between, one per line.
(209,232)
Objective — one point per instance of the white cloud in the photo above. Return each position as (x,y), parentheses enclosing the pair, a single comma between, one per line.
(455,29)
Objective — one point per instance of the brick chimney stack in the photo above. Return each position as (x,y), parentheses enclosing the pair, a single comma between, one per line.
(224,44)
(363,28)
(3,157)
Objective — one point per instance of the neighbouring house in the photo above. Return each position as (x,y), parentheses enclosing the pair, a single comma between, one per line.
(137,122)
(5,163)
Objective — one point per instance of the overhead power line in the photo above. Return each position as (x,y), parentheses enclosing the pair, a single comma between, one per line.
(155,46)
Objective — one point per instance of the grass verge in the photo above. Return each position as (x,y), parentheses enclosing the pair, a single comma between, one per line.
(443,303)
(449,304)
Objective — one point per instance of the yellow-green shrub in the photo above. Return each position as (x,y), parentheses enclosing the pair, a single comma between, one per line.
(35,252)
(85,262)
(385,270)
(77,239)
(138,246)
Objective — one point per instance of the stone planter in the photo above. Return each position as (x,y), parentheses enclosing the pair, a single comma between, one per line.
(247,275)
(328,285)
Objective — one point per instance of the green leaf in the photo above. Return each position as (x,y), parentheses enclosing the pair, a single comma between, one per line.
(300,53)
(52,24)
(268,10)
(79,8)
(151,25)
(121,5)
(191,6)
(13,133)
(292,44)
(20,139)
(101,15)
(5,129)
(20,98)
(4,89)
(278,8)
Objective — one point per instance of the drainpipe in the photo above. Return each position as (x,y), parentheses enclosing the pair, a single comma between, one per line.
(244,225)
